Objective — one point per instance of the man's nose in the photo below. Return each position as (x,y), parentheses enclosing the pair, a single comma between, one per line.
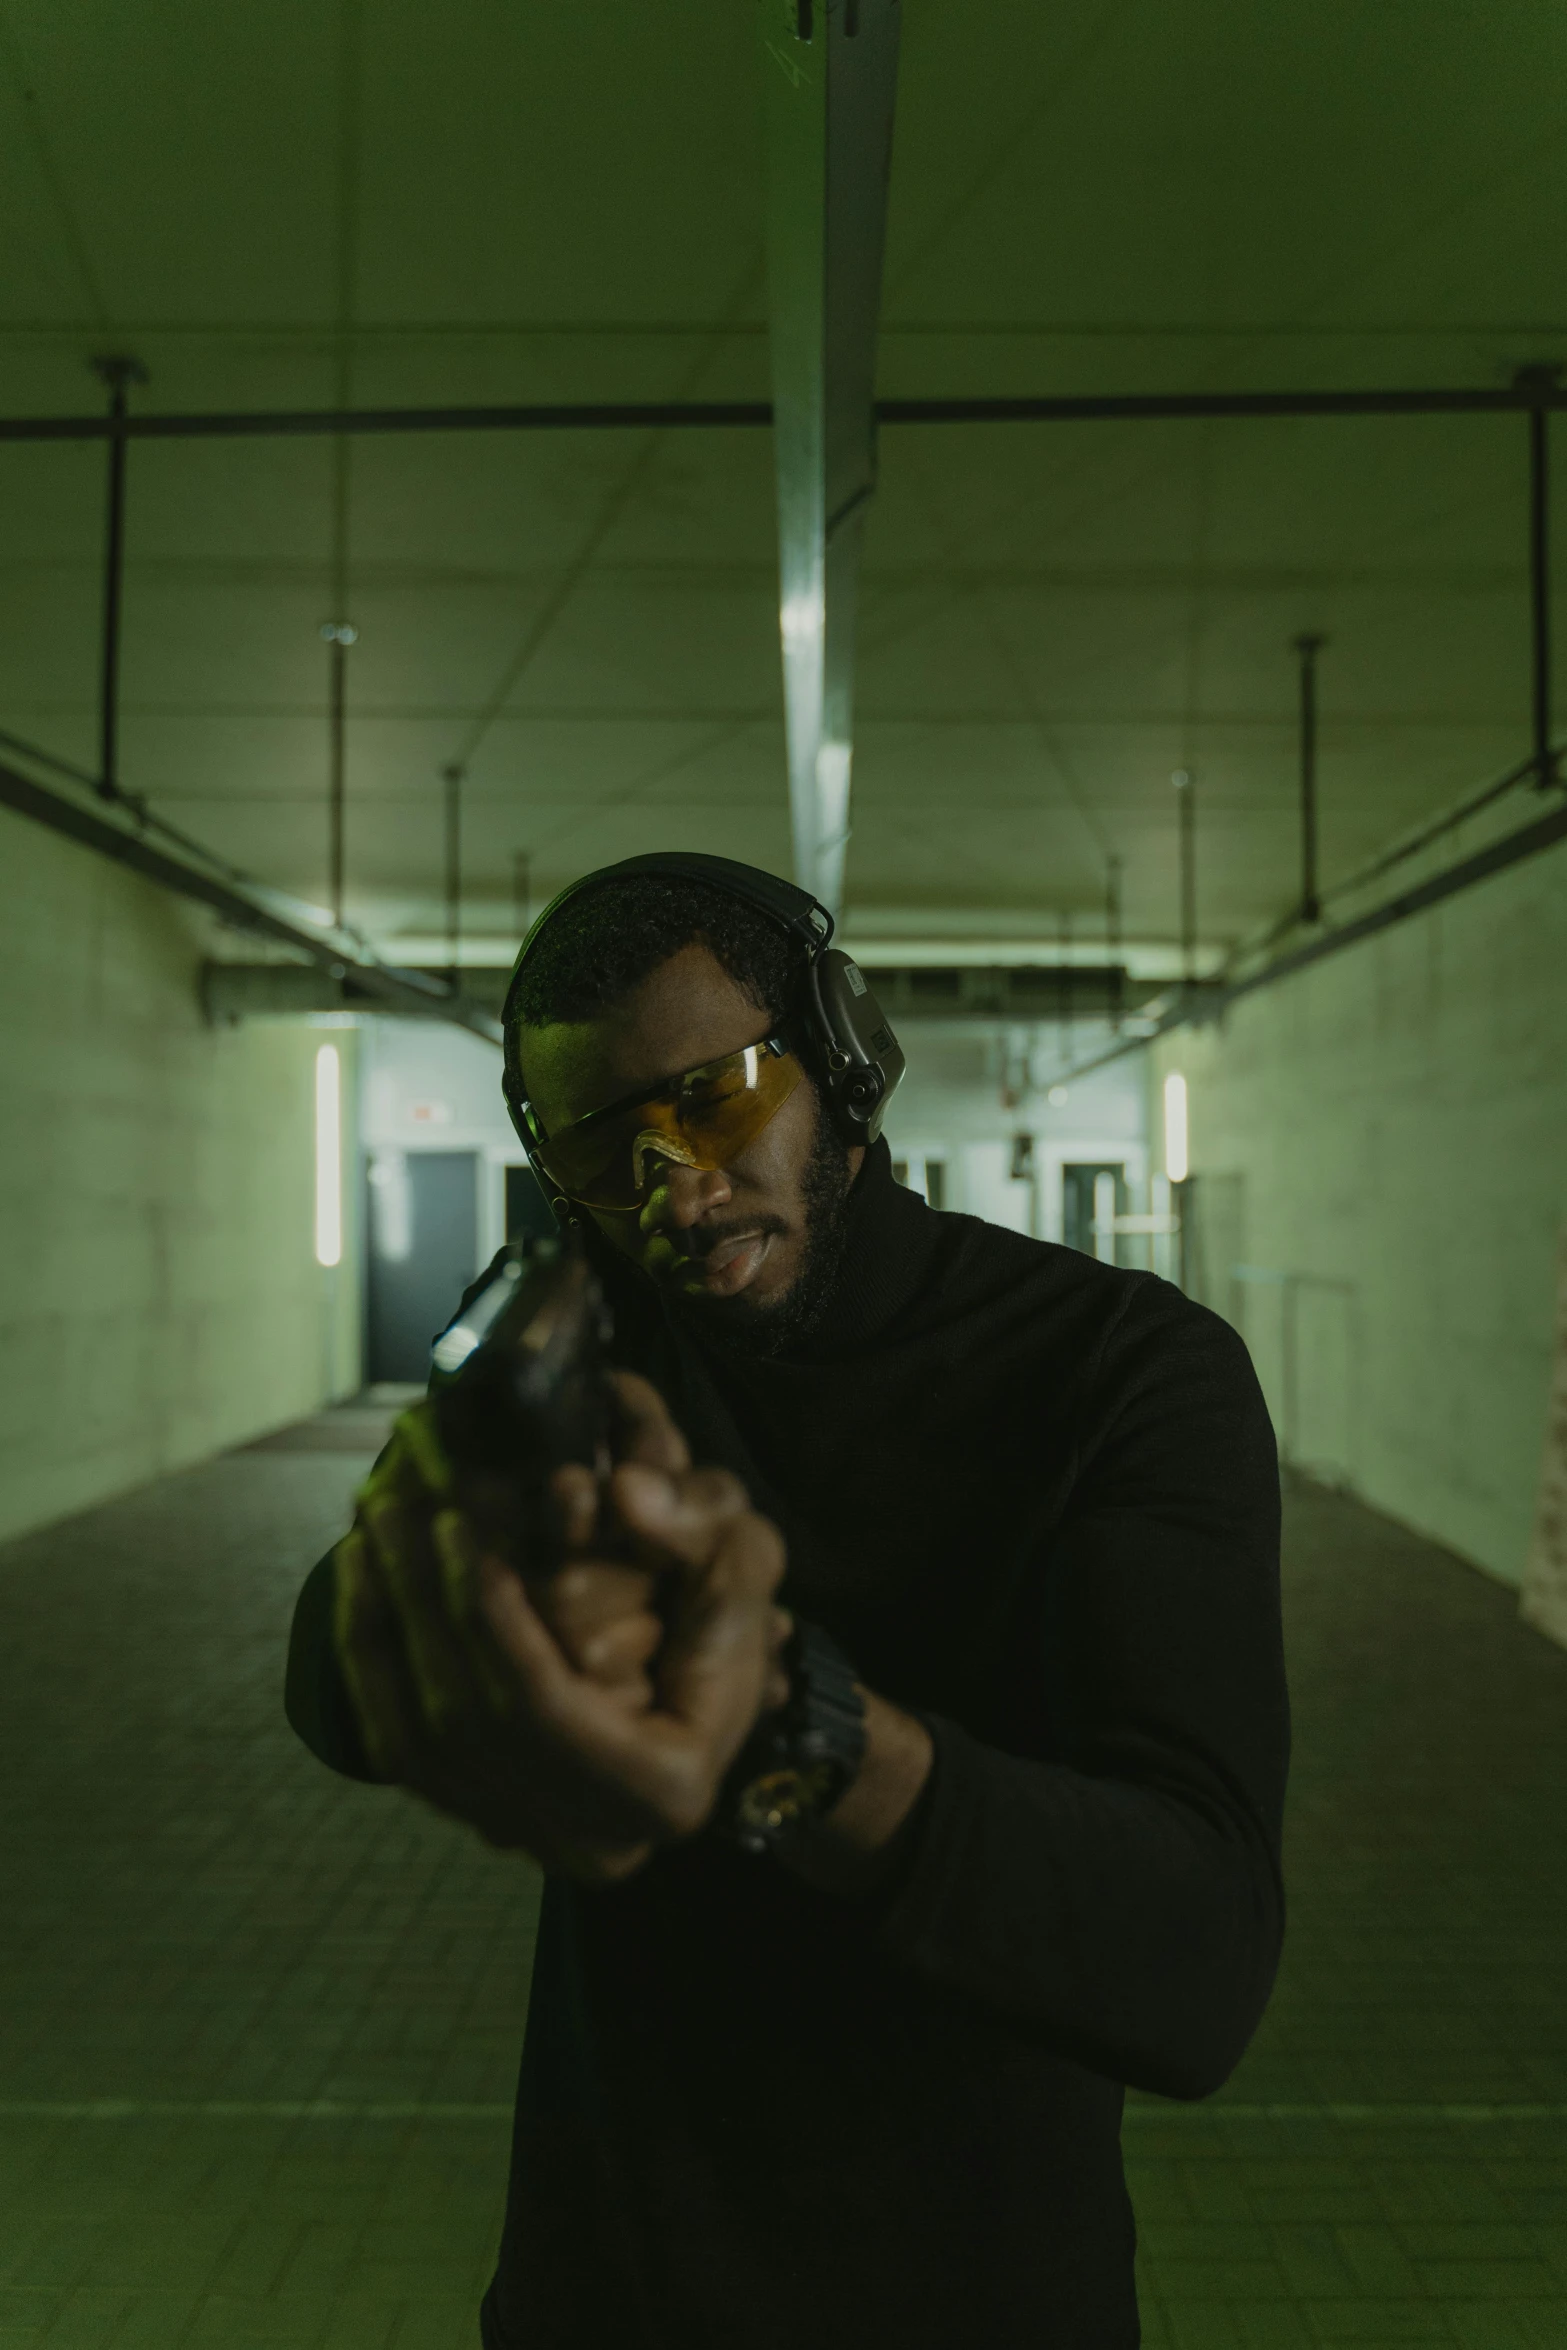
(682,1196)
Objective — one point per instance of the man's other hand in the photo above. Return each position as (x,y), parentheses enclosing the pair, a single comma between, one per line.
(585,1716)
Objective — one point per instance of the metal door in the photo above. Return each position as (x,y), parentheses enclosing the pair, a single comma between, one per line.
(424,1245)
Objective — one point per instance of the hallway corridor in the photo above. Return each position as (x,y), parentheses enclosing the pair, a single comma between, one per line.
(260,2028)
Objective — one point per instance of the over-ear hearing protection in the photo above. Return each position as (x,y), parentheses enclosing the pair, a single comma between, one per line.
(845,1040)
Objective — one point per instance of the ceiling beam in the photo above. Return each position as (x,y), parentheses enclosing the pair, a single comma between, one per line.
(829,79)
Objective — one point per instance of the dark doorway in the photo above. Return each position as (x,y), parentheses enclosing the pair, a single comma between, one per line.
(527,1209)
(424,1246)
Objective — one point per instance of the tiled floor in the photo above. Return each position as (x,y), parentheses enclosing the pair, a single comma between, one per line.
(206,1933)
(1389,2164)
(259,2029)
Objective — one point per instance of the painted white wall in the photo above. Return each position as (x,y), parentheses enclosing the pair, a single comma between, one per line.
(1380,1153)
(159,1291)
(951,1107)
(425,1086)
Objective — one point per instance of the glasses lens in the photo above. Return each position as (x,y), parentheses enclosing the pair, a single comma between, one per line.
(607,1159)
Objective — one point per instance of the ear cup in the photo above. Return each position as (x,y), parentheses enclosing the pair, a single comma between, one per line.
(861,1058)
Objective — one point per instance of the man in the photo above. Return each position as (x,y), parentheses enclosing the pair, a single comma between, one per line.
(863,2086)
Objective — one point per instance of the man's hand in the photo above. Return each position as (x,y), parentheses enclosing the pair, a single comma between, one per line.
(585,1716)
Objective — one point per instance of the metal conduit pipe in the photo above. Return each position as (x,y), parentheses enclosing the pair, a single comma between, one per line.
(1211,998)
(405,991)
(698,415)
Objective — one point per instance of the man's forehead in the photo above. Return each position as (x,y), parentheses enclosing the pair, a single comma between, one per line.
(686,1012)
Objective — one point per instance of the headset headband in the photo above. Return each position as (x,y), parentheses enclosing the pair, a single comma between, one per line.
(794,910)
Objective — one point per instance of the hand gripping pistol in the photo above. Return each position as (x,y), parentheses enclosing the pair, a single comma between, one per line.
(520,1385)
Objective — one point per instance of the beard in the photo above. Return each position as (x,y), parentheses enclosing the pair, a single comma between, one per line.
(741,1326)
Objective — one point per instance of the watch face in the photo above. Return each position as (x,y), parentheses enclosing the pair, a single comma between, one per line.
(779,1798)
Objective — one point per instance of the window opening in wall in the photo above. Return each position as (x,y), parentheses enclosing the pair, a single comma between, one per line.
(1092,1196)
(329,1156)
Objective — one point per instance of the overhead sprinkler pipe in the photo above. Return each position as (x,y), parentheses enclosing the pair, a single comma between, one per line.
(118,374)
(452,781)
(1186,817)
(1113,943)
(243,906)
(1308,647)
(707,415)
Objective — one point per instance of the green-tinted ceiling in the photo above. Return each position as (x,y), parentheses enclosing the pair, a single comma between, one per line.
(280,205)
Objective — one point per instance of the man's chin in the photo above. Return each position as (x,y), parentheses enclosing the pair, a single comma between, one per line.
(756,1316)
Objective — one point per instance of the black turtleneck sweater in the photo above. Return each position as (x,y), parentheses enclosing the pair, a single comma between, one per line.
(1036,1500)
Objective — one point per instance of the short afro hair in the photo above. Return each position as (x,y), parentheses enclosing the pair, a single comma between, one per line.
(603,943)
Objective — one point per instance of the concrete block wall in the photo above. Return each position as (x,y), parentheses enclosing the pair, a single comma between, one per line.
(1379,1148)
(159,1291)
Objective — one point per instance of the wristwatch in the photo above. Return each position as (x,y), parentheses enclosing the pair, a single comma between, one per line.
(802,1756)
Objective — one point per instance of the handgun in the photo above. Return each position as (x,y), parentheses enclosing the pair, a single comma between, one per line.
(520,1385)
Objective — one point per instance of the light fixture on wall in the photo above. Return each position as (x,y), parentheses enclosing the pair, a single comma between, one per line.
(329,1156)
(1175,1155)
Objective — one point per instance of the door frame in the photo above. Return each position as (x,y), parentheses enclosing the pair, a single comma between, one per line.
(1051,1155)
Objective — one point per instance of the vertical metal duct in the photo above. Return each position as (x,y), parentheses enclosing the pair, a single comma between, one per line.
(829,77)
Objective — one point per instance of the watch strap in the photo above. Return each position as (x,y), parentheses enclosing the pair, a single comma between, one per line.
(801,1756)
